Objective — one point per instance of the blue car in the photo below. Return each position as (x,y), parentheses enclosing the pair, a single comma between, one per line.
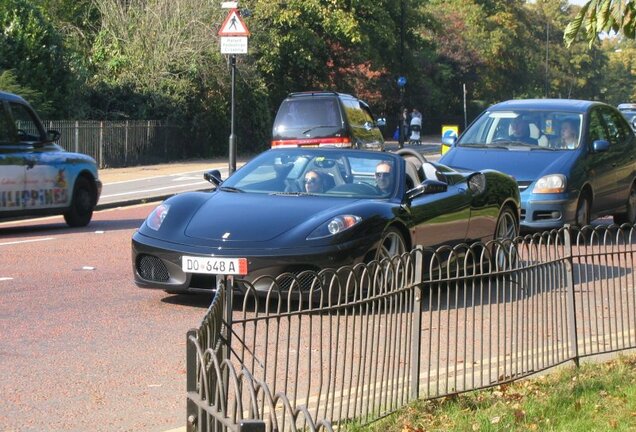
(37,176)
(573,160)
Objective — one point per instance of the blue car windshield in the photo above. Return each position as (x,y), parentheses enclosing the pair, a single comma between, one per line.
(525,130)
(334,173)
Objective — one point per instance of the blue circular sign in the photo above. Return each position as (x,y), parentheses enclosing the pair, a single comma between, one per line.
(450,134)
(401,81)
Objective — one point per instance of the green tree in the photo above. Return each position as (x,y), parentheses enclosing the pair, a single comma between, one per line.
(597,16)
(33,50)
(620,83)
(313,44)
(161,59)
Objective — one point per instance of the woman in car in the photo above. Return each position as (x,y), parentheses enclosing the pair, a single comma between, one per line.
(569,135)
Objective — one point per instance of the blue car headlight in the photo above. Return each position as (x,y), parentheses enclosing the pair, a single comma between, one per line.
(156,218)
(333,226)
(553,183)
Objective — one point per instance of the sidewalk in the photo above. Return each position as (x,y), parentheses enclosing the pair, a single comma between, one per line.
(113,175)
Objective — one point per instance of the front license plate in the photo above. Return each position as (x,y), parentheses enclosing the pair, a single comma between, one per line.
(214,265)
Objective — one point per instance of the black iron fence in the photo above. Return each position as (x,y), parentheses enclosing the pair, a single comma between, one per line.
(312,350)
(124,143)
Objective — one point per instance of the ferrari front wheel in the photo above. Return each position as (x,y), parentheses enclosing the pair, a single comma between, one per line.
(392,245)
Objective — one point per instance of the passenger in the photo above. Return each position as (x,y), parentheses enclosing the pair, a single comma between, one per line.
(313,182)
(569,135)
(384,177)
(521,131)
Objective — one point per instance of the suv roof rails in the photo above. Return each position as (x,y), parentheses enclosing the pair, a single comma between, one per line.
(318,93)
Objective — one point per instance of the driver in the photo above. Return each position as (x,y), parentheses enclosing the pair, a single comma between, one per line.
(313,182)
(384,177)
(521,131)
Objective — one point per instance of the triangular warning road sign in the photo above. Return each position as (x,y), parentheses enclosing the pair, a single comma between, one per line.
(234,25)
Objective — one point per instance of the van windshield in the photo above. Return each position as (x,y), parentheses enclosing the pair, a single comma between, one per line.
(307,113)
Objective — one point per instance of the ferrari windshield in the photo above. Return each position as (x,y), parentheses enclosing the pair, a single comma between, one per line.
(525,130)
(320,172)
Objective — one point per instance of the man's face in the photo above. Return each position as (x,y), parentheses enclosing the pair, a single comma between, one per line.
(517,127)
(384,177)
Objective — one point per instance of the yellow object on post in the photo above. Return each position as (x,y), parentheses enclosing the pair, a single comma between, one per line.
(449,131)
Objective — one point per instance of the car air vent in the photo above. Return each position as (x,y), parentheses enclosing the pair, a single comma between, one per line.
(152,268)
(306,278)
(523,185)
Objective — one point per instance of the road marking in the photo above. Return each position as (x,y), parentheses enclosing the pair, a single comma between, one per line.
(200,172)
(25,241)
(150,190)
(2,279)
(180,179)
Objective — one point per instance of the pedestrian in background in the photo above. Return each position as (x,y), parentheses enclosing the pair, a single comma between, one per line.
(405,122)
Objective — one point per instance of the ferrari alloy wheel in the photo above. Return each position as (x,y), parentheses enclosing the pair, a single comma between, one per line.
(506,228)
(392,245)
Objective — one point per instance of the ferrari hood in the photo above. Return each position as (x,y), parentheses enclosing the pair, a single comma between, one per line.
(522,165)
(232,217)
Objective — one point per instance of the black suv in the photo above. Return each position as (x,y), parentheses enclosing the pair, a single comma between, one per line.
(328,119)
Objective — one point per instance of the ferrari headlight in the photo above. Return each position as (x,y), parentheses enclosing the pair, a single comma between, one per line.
(553,183)
(334,226)
(155,219)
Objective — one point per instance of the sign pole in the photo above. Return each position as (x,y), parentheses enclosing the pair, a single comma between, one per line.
(234,35)
(232,166)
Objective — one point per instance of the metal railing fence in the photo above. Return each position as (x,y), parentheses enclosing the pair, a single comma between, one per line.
(125,143)
(310,350)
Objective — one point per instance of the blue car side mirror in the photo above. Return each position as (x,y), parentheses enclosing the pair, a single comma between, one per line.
(449,140)
(213,176)
(600,146)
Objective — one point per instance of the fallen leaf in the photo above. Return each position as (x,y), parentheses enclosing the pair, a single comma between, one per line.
(519,415)
(495,420)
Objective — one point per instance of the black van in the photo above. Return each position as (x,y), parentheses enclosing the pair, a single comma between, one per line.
(324,118)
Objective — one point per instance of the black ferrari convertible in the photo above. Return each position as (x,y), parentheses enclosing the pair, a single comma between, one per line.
(297,209)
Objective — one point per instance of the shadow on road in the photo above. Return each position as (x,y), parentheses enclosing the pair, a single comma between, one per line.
(37,229)
(200,300)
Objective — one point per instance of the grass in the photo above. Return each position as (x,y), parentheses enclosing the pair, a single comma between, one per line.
(593,397)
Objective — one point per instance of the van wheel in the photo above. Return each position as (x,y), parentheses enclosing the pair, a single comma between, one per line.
(630,209)
(583,211)
(80,212)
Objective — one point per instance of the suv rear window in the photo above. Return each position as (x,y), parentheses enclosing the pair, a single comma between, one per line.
(305,112)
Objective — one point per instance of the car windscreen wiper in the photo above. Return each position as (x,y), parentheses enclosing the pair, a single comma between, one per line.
(230,189)
(481,145)
(543,148)
(318,127)
(293,193)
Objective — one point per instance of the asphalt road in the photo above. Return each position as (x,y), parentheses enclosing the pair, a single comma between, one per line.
(81,347)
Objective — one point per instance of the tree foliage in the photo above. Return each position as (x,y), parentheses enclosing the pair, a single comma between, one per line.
(33,50)
(603,16)
(116,59)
